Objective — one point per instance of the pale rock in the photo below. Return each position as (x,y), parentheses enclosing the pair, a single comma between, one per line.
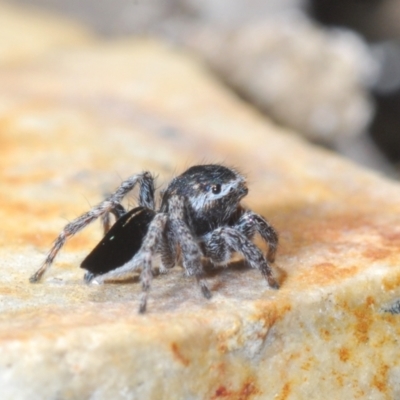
(78,121)
(268,50)
(26,32)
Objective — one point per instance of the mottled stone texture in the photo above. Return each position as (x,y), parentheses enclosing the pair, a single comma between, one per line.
(73,123)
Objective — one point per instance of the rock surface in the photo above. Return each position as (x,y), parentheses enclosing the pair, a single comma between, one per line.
(27,33)
(72,125)
(269,51)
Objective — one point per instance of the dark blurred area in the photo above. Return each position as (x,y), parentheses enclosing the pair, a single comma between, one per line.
(216,30)
(378,21)
(375,19)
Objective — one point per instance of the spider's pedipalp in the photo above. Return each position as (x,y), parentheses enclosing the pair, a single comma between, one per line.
(249,223)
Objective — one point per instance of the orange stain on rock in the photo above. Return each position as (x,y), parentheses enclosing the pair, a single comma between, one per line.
(363,322)
(285,392)
(32,224)
(344,354)
(376,253)
(391,282)
(325,334)
(178,355)
(271,312)
(339,234)
(325,274)
(221,392)
(245,392)
(390,236)
(380,379)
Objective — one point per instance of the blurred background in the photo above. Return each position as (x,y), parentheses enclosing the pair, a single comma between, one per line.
(328,69)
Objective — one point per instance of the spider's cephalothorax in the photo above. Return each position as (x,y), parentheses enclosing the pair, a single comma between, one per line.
(200,216)
(212,194)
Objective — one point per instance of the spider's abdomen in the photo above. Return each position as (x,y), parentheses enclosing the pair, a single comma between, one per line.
(120,243)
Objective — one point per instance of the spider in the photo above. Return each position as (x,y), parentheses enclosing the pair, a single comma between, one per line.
(200,217)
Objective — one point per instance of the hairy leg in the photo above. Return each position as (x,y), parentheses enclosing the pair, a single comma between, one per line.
(118,211)
(222,242)
(249,223)
(110,203)
(141,260)
(167,249)
(146,199)
(190,250)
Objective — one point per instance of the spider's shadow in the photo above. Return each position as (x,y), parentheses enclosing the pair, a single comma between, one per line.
(219,278)
(210,270)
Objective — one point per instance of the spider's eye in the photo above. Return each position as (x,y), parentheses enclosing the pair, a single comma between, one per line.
(216,188)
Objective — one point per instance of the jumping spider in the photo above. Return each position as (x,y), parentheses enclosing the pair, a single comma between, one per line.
(200,216)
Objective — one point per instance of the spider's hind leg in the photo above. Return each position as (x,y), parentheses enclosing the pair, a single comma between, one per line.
(118,211)
(111,203)
(141,260)
(146,199)
(88,277)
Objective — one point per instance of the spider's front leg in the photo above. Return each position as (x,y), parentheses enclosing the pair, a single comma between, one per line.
(190,250)
(110,204)
(249,223)
(167,249)
(222,242)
